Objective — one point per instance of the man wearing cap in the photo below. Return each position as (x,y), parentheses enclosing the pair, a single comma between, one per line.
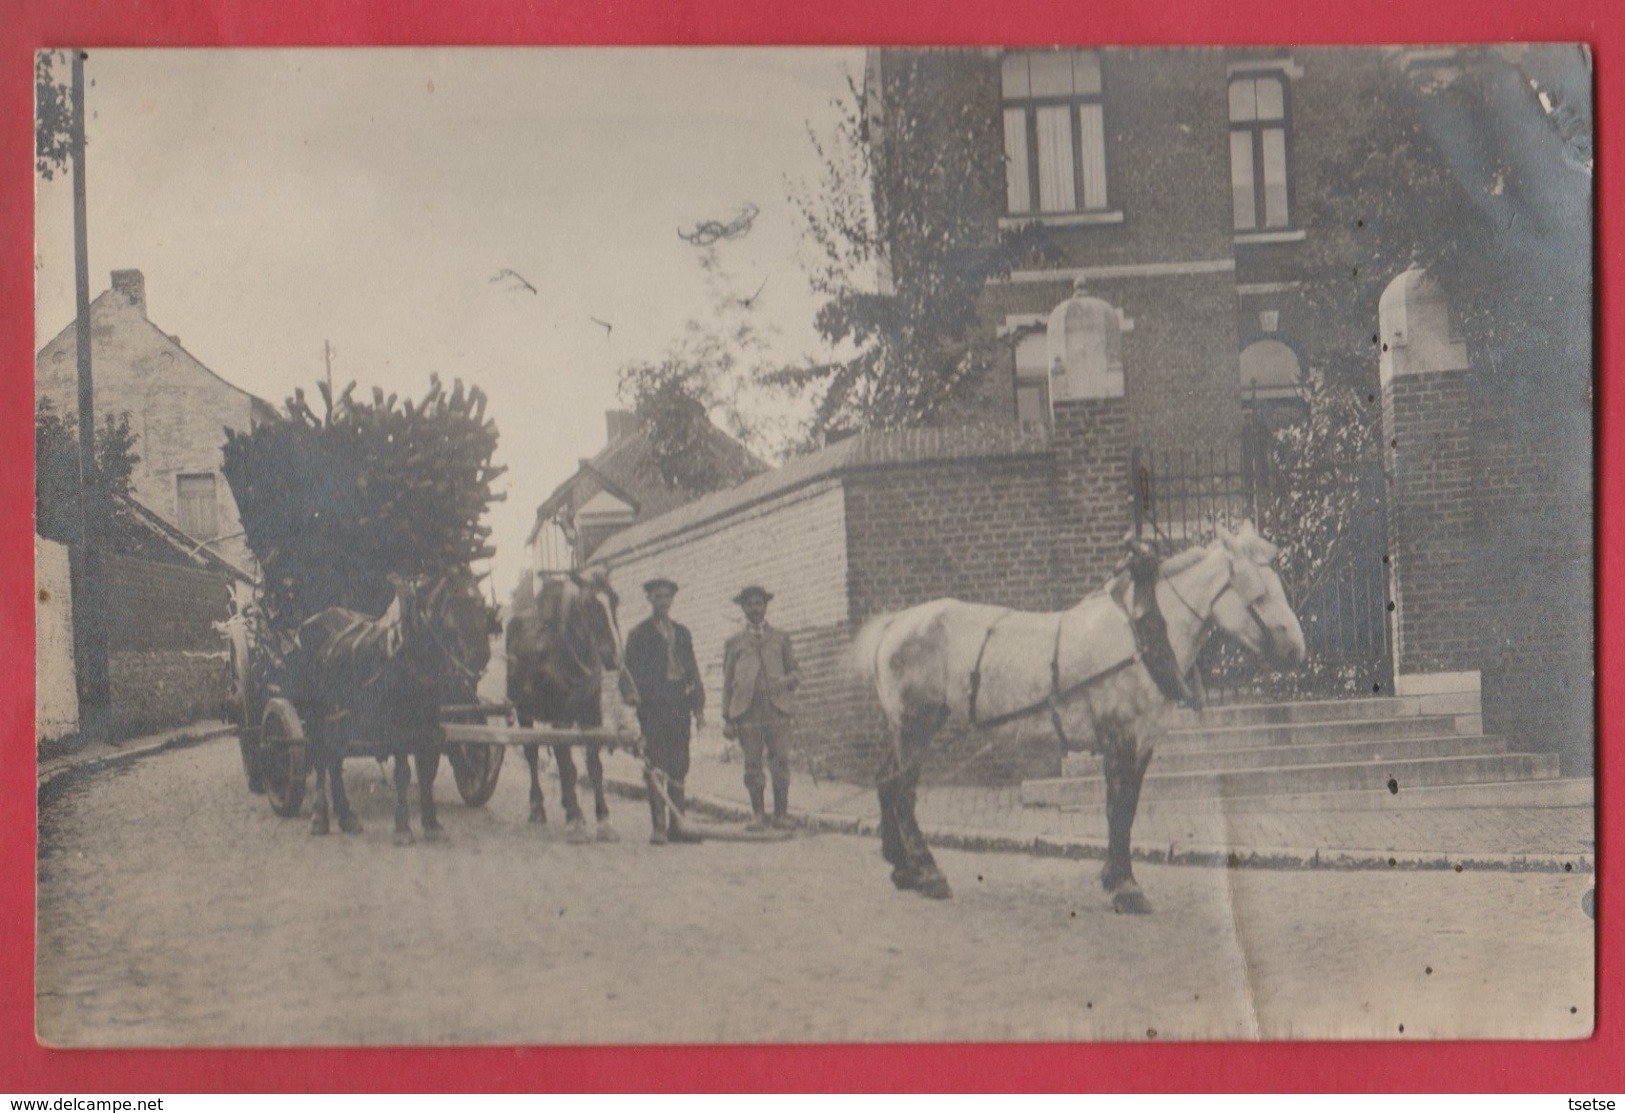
(759,679)
(660,657)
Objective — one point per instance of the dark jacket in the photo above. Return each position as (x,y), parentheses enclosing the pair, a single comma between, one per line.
(646,661)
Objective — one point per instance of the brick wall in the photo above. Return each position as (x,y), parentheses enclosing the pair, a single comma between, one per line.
(974,529)
(1532,568)
(154,689)
(1430,519)
(162,606)
(1092,511)
(166,664)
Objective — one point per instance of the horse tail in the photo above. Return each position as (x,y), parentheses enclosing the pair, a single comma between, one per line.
(865,659)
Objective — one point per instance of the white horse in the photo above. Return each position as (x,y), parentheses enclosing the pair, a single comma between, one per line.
(1102,680)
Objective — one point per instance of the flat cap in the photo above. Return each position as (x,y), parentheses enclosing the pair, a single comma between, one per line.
(660,582)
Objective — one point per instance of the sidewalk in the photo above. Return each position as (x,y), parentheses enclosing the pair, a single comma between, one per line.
(1547,835)
(1554,837)
(94,756)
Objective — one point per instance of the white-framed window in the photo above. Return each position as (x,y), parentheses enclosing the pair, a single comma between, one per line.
(1054,132)
(1260,155)
(197,510)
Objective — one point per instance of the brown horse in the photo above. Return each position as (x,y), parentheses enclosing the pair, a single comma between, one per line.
(559,645)
(1084,671)
(383,680)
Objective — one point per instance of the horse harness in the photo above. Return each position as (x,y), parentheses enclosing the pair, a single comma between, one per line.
(1151,649)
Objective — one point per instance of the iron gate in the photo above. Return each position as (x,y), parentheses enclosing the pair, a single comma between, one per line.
(1329,524)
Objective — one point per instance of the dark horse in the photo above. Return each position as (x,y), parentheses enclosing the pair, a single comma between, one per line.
(559,646)
(383,680)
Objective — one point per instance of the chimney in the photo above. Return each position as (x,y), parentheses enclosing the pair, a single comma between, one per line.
(133,287)
(620,423)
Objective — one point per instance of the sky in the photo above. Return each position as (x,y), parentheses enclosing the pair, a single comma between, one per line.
(277,201)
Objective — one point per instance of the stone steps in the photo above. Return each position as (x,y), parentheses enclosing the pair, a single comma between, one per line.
(1359,776)
(1209,738)
(1311,753)
(1307,711)
(1428,739)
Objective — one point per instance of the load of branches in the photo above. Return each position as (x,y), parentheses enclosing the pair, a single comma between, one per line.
(332,504)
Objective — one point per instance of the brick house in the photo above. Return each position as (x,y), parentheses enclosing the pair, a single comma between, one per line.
(1199,198)
(1192,194)
(178,410)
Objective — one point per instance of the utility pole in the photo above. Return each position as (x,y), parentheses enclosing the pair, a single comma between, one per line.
(327,354)
(90,603)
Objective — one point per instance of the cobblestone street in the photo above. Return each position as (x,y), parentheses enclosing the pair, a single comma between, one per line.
(176,909)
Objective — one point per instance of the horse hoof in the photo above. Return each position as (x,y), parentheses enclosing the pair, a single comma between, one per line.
(606,833)
(935,887)
(576,833)
(257,787)
(1588,903)
(350,825)
(434,834)
(537,815)
(905,878)
(404,838)
(1131,902)
(318,826)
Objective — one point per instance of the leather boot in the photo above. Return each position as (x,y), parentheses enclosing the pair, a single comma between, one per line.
(781,806)
(758,814)
(657,815)
(679,798)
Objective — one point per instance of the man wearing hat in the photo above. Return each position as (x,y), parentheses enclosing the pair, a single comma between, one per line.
(759,679)
(660,657)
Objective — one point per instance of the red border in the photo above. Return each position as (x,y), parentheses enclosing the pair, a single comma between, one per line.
(1596,1065)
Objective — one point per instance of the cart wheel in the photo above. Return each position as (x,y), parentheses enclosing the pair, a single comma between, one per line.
(284,763)
(476,769)
(251,762)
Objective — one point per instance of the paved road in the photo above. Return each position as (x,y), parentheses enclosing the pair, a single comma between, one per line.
(175,909)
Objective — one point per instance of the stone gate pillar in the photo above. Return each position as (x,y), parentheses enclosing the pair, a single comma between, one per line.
(1428,458)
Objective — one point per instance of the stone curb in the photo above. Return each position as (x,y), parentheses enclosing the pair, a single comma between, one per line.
(1078,847)
(180,740)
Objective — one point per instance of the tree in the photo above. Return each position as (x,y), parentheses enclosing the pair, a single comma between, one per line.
(901,235)
(330,504)
(717,369)
(1460,168)
(56,473)
(53,117)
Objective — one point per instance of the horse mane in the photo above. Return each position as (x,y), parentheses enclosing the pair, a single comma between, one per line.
(1254,545)
(554,601)
(1181,561)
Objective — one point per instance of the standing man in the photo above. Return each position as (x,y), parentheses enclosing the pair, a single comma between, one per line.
(660,657)
(759,679)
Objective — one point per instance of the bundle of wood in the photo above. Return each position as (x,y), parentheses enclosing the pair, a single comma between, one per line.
(331,505)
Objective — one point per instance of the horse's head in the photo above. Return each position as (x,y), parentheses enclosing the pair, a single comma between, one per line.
(446,618)
(1253,607)
(591,618)
(462,621)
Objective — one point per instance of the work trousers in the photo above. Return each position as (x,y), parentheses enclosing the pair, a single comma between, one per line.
(665,718)
(766,731)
